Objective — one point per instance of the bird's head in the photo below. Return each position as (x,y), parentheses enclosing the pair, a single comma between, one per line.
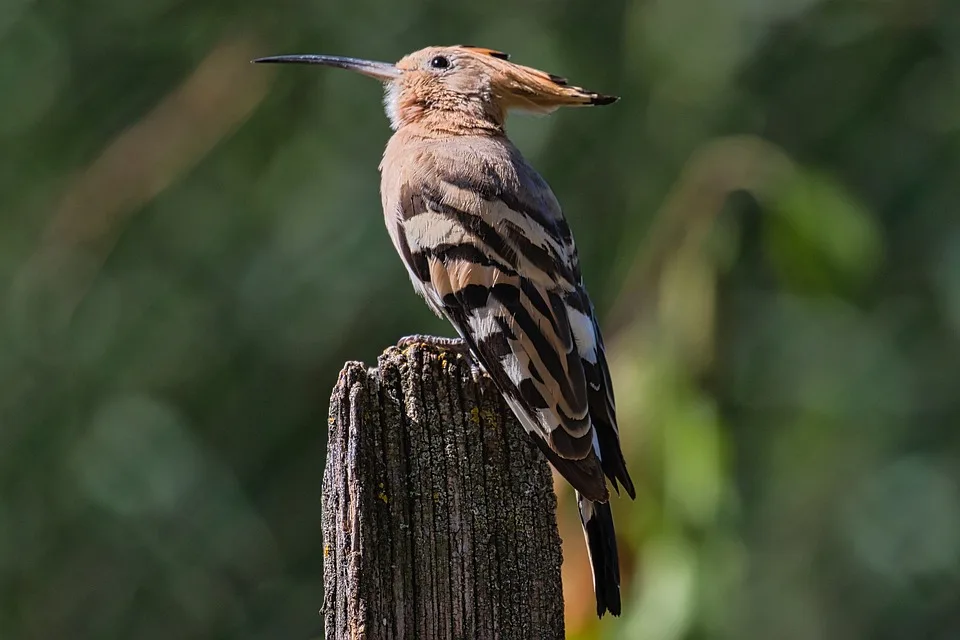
(459,86)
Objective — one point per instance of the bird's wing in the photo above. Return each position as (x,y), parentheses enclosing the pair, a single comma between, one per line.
(506,279)
(603,411)
(589,338)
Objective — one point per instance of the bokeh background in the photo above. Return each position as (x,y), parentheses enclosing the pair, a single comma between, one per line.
(191,247)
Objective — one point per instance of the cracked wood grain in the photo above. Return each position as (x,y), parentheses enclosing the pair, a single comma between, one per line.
(439,517)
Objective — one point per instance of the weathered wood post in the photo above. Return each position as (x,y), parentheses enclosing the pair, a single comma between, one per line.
(438,512)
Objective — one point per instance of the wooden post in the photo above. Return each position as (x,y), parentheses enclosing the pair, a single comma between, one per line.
(439,517)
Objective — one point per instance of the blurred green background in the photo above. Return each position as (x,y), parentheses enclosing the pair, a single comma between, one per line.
(191,247)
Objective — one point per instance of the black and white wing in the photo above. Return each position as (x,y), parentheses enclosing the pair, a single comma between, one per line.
(501,265)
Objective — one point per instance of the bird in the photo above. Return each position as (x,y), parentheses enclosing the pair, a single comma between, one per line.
(486,244)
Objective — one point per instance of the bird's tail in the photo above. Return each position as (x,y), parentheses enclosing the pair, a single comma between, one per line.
(597,521)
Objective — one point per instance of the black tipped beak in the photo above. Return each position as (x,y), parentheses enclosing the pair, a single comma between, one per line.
(383,71)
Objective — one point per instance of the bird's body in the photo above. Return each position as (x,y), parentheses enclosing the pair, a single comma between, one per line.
(485,243)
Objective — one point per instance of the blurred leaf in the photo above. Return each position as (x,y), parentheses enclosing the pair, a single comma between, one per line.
(822,237)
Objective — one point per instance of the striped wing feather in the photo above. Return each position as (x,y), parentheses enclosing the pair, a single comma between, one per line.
(492,254)
(511,316)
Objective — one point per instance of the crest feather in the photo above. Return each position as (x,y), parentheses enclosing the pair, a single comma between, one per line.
(485,51)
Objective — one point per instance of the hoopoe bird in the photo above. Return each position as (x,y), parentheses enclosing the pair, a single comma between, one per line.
(485,243)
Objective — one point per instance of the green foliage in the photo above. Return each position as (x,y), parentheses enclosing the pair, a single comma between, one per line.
(191,247)
(824,239)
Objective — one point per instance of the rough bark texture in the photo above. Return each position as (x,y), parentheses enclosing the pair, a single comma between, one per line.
(439,517)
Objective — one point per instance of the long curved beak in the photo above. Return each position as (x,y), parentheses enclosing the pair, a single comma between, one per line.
(383,71)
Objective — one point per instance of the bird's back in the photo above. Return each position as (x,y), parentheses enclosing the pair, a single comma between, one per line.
(489,166)
(485,243)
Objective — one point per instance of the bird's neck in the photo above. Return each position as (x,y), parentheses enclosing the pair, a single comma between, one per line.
(443,115)
(432,122)
(444,132)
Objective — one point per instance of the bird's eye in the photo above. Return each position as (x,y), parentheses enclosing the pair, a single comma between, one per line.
(439,62)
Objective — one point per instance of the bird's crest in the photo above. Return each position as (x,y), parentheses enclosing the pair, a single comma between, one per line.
(486,51)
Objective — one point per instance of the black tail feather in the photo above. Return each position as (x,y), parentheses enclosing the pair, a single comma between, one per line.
(597,521)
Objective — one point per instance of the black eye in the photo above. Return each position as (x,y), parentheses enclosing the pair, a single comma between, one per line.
(439,62)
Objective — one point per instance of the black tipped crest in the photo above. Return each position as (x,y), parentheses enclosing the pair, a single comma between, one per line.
(490,52)
(602,100)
